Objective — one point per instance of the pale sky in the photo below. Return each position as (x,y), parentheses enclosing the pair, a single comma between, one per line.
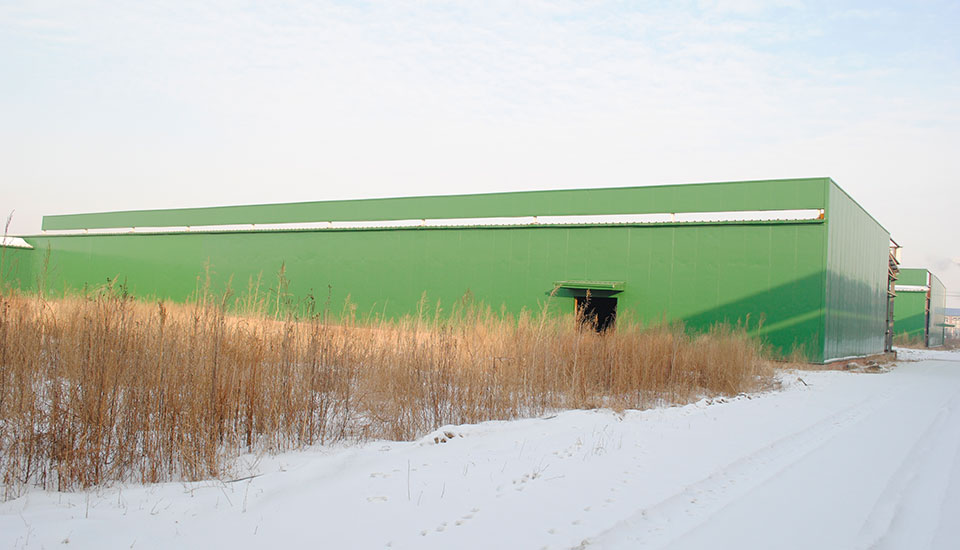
(138,105)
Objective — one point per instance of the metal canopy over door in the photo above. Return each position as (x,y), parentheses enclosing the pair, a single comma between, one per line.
(594,301)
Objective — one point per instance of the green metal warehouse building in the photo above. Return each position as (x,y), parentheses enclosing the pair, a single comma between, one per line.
(799,255)
(920,310)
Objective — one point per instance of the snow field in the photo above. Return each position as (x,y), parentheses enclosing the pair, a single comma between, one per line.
(840,460)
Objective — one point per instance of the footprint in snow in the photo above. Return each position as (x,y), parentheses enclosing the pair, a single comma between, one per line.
(444,436)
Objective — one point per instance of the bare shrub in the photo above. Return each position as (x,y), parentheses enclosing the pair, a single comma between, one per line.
(101,387)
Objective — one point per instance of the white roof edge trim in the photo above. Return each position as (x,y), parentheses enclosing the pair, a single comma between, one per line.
(15,242)
(494,221)
(911,288)
(847,358)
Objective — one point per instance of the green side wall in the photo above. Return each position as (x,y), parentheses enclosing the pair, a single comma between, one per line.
(909,317)
(817,286)
(18,267)
(702,274)
(855,317)
(910,307)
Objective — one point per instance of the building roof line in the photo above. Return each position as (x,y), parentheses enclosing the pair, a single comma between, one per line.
(658,218)
(747,195)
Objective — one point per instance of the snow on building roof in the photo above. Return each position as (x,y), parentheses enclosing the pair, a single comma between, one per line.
(14,242)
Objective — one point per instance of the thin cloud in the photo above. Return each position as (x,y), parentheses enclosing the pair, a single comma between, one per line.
(162,104)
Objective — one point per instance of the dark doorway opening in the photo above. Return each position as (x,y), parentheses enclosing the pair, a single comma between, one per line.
(597,313)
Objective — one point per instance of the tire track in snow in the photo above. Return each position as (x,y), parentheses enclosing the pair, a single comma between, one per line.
(897,513)
(948,529)
(657,525)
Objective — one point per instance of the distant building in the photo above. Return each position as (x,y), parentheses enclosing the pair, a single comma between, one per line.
(919,307)
(952,317)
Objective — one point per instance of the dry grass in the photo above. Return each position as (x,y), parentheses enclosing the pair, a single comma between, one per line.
(951,343)
(102,388)
(903,340)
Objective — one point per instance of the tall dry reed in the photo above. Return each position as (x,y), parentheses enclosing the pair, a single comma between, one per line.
(904,340)
(101,388)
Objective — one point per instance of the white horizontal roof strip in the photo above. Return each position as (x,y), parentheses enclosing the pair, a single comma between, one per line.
(14,242)
(751,215)
(509,221)
(912,288)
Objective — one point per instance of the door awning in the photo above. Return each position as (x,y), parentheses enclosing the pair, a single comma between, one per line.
(605,286)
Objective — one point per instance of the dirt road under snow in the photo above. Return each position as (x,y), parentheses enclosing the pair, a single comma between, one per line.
(846,461)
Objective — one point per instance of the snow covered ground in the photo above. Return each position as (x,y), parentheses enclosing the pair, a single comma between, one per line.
(837,460)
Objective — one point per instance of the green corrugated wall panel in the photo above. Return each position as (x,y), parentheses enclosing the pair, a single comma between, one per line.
(938,304)
(753,195)
(909,315)
(17,267)
(912,276)
(856,280)
(816,286)
(701,274)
